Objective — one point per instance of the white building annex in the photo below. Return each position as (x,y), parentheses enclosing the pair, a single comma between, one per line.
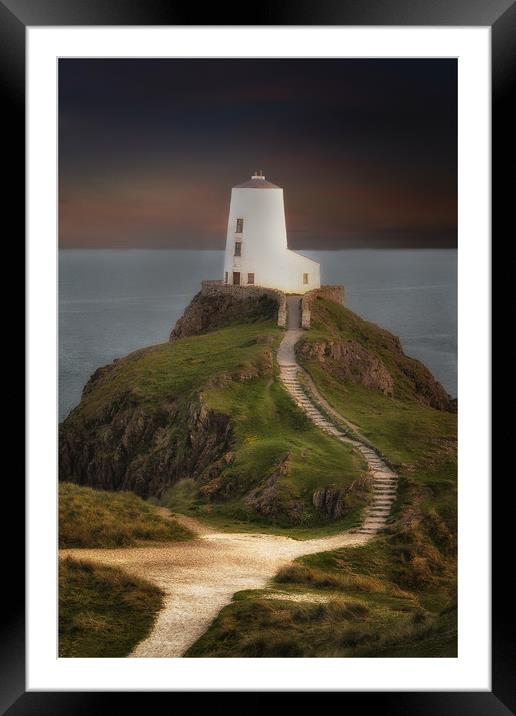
(257,252)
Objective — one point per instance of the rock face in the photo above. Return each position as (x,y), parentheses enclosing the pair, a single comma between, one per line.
(334,502)
(349,360)
(207,313)
(331,501)
(132,447)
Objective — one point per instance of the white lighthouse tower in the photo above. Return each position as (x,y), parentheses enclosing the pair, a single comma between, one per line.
(256,245)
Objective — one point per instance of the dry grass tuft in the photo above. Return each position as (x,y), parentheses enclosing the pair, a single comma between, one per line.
(98,518)
(103,612)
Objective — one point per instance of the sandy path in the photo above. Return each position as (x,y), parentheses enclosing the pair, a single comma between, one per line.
(199,577)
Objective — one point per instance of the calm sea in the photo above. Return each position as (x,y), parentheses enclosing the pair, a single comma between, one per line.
(113,302)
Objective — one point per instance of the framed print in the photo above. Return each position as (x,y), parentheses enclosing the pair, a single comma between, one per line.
(258,357)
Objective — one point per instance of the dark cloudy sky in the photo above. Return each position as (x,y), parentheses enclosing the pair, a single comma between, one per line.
(366,150)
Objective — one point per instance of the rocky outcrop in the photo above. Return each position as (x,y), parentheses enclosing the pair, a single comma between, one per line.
(349,360)
(330,501)
(272,500)
(131,446)
(335,502)
(206,313)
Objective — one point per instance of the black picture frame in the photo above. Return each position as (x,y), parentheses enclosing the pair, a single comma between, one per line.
(15,17)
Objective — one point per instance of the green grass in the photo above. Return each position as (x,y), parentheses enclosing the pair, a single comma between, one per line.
(98,518)
(271,429)
(415,438)
(103,612)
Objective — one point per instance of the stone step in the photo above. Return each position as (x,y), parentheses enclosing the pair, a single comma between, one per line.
(367,530)
(373,521)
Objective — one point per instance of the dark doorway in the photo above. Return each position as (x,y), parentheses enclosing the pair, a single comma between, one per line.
(236,278)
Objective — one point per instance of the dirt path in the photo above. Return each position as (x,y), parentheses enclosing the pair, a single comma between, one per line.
(199,577)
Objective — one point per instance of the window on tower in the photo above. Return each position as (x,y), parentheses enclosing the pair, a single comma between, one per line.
(240,226)
(305,278)
(250,278)
(238,248)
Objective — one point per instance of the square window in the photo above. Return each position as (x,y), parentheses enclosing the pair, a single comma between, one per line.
(239,226)
(250,278)
(305,278)
(238,248)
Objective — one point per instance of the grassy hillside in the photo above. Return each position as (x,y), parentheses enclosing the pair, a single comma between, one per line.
(97,518)
(373,347)
(276,450)
(207,408)
(345,625)
(177,370)
(396,596)
(103,612)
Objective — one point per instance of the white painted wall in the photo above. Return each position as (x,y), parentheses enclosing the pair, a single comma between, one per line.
(264,243)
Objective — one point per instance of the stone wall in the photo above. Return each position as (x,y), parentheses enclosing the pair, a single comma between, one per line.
(332,293)
(212,288)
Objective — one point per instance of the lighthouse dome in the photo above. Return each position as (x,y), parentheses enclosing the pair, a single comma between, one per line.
(257,181)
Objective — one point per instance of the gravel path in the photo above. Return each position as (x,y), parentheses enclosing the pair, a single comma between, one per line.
(199,577)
